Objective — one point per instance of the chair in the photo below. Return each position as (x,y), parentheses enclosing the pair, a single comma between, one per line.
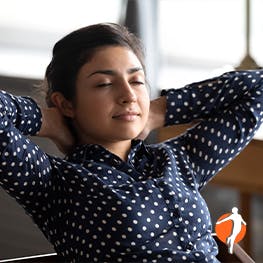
(239,256)
(45,258)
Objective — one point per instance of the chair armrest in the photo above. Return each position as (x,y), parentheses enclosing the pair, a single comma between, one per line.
(44,258)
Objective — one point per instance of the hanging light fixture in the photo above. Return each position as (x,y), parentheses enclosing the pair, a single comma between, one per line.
(248,61)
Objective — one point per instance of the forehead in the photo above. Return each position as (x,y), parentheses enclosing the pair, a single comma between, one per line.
(114,56)
(118,60)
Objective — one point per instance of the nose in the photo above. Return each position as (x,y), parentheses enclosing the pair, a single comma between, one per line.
(126,93)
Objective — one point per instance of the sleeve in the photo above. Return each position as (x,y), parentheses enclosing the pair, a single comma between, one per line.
(24,168)
(229,108)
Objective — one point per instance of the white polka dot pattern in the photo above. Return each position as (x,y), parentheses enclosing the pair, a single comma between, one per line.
(93,207)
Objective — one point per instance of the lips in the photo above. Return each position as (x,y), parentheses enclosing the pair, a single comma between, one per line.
(127,116)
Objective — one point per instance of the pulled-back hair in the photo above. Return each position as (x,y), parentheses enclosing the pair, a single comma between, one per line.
(77,48)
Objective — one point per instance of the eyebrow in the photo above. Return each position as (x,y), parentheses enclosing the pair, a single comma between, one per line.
(112,72)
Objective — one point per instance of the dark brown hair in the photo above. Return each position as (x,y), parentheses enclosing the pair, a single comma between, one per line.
(77,48)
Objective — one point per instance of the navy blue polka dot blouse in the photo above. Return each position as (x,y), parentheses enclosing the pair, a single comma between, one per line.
(94,207)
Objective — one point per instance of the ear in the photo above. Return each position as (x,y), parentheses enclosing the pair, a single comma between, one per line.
(65,106)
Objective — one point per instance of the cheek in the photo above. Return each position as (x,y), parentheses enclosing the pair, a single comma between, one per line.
(145,102)
(87,100)
(92,108)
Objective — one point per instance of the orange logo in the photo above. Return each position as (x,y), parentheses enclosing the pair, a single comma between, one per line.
(230,228)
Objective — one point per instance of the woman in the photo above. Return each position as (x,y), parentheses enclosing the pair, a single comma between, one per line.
(113,198)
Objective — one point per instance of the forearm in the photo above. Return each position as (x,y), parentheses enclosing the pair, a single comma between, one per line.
(22,112)
(231,92)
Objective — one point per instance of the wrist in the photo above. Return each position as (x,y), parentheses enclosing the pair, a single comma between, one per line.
(157,112)
(45,130)
(55,127)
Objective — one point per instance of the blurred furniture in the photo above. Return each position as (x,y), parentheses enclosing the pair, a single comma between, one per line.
(44,258)
(239,255)
(244,173)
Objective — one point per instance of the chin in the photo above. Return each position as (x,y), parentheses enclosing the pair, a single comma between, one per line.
(130,136)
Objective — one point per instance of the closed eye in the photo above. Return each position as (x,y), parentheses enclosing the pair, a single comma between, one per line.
(137,83)
(102,85)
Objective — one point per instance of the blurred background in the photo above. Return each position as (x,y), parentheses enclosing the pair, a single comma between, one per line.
(185,41)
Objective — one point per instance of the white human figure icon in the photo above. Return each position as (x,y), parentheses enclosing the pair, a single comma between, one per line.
(236,227)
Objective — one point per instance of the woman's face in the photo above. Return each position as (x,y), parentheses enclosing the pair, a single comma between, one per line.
(112,100)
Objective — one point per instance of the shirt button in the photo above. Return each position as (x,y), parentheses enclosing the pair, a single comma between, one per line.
(189,247)
(176,213)
(117,161)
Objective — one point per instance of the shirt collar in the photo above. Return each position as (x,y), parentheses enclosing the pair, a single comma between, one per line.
(85,152)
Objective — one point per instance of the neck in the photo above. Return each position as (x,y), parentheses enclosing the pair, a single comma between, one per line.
(121,149)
